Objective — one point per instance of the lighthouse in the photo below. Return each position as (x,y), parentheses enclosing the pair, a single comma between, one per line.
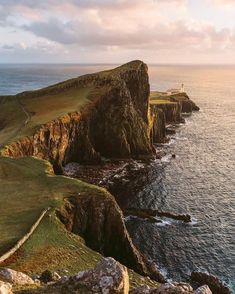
(182,88)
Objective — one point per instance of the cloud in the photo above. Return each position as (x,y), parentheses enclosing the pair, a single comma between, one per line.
(112,27)
(173,35)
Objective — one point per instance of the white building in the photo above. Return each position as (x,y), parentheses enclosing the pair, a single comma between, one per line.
(176,91)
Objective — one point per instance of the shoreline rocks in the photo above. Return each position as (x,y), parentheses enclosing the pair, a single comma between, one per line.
(151,214)
(213,282)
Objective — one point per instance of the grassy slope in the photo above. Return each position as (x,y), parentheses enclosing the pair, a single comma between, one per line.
(42,109)
(12,118)
(27,187)
(159,98)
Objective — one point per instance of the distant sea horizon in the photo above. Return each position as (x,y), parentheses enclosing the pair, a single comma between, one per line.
(20,77)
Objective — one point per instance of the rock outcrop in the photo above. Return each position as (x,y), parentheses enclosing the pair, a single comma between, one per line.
(214,283)
(171,110)
(108,276)
(14,277)
(172,288)
(113,124)
(151,214)
(99,220)
(158,133)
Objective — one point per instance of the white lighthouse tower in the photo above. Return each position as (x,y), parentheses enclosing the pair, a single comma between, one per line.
(182,90)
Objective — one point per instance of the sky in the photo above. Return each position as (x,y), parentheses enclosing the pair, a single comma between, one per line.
(116,31)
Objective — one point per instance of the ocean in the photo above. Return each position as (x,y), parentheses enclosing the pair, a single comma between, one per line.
(199,181)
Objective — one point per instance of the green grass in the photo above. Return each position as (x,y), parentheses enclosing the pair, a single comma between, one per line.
(11,118)
(52,247)
(28,186)
(161,101)
(42,109)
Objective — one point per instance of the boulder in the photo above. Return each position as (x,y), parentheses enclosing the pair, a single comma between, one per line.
(214,283)
(203,290)
(14,277)
(173,288)
(5,288)
(109,276)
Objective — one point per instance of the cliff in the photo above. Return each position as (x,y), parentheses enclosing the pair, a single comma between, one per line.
(84,119)
(109,118)
(99,220)
(167,109)
(158,127)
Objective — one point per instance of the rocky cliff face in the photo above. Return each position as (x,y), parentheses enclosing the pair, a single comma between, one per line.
(162,114)
(99,220)
(114,124)
(172,111)
(158,133)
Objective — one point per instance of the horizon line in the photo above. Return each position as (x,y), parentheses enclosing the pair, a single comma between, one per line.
(115,63)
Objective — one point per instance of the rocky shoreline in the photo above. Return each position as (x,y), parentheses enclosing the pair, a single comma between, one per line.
(120,122)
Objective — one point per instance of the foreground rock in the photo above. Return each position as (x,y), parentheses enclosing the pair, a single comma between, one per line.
(173,288)
(14,277)
(213,282)
(109,276)
(5,288)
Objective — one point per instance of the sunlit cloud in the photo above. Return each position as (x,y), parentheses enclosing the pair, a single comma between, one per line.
(86,29)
